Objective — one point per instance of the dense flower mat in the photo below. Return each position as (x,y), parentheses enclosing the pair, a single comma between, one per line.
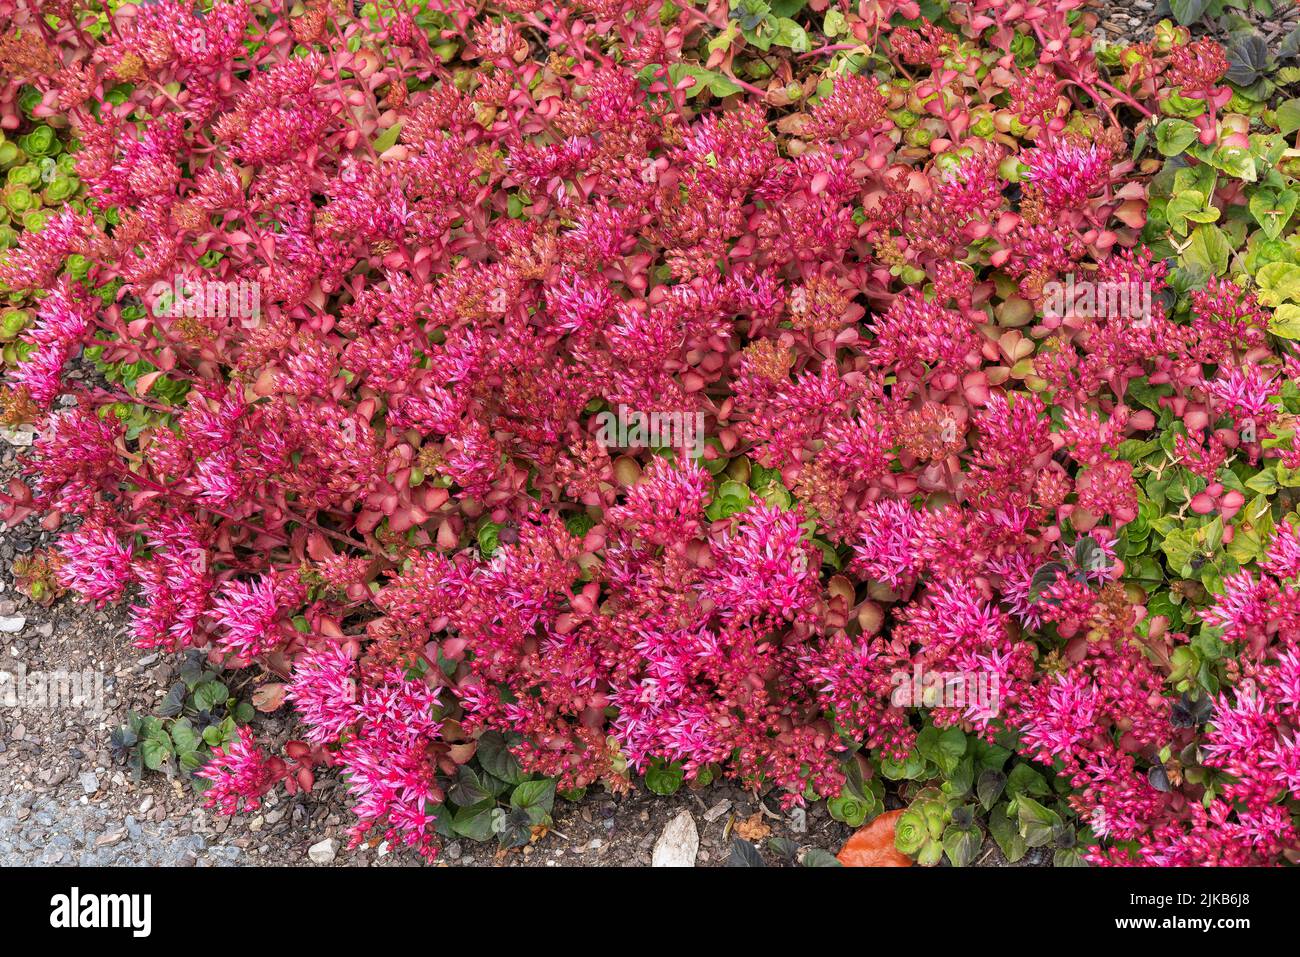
(813,393)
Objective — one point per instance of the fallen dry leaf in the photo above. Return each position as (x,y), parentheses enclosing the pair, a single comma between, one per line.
(754,828)
(873,845)
(269,697)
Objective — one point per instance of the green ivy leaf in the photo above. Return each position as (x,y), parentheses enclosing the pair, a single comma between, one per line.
(209,694)
(1007,835)
(174,703)
(1264,482)
(989,787)
(1236,162)
(1023,779)
(475,821)
(1209,250)
(191,761)
(496,759)
(1069,857)
(184,736)
(537,798)
(1288,115)
(789,34)
(1179,546)
(1174,135)
(705,80)
(1187,12)
(468,789)
(1278,283)
(1037,823)
(725,38)
(1272,209)
(961,779)
(156,749)
(962,844)
(816,857)
(990,756)
(945,748)
(834,23)
(1285,323)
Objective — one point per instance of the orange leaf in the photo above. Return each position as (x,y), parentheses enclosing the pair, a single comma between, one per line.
(754,828)
(145,382)
(873,845)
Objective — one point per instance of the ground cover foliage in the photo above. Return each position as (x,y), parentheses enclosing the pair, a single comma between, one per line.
(949,352)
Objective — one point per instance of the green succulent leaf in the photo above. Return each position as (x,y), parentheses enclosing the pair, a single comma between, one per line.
(664,778)
(911,831)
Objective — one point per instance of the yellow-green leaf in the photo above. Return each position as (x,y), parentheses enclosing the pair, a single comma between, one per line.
(388,138)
